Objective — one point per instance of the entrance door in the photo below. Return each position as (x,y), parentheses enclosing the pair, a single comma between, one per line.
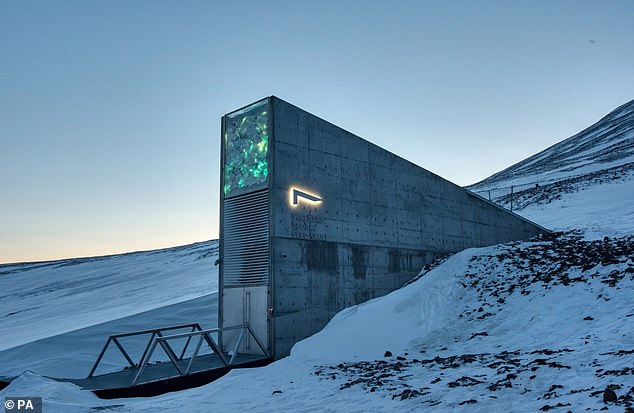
(245,269)
(245,306)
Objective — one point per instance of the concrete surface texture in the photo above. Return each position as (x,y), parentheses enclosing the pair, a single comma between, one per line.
(380,219)
(351,221)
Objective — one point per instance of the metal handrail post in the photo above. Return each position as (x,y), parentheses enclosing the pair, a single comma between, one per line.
(144,362)
(187,343)
(257,340)
(208,338)
(101,354)
(147,347)
(169,349)
(125,353)
(216,348)
(170,353)
(511,198)
(196,350)
(235,349)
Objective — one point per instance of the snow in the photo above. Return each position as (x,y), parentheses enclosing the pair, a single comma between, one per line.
(598,211)
(62,296)
(550,341)
(531,326)
(549,176)
(606,144)
(72,354)
(57,397)
(411,313)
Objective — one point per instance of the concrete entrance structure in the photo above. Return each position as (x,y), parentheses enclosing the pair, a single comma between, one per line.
(315,219)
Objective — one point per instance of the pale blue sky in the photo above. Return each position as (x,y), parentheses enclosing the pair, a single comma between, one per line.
(110,110)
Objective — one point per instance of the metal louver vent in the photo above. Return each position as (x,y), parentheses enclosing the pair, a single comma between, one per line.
(246,240)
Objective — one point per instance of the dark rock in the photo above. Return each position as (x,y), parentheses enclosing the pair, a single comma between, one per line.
(588,318)
(388,354)
(464,381)
(551,393)
(406,394)
(545,408)
(482,333)
(609,395)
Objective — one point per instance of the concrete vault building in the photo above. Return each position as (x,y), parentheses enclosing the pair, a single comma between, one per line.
(315,219)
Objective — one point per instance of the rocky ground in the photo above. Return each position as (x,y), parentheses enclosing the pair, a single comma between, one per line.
(540,194)
(557,376)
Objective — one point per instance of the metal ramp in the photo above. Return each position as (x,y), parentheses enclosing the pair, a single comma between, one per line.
(174,361)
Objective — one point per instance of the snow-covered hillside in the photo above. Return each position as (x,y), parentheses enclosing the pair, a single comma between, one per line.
(532,326)
(607,144)
(40,300)
(585,182)
(72,354)
(546,325)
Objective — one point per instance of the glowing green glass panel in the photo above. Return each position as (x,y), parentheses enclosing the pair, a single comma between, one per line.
(246,149)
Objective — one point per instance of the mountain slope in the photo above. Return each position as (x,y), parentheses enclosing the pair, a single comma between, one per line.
(606,144)
(39,300)
(585,182)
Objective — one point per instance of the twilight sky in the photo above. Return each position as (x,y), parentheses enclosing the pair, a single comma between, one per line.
(110,110)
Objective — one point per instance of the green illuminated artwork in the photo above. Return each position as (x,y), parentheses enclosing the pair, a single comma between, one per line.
(246,148)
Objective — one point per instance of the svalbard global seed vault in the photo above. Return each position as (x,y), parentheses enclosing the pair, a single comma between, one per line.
(315,219)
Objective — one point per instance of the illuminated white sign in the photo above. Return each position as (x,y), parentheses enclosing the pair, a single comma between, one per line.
(296,195)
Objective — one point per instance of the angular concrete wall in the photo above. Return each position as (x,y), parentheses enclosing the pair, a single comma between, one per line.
(380,220)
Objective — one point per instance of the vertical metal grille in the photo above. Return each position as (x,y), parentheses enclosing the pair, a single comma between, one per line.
(245,236)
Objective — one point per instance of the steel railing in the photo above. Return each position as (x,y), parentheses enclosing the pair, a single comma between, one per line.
(507,196)
(159,338)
